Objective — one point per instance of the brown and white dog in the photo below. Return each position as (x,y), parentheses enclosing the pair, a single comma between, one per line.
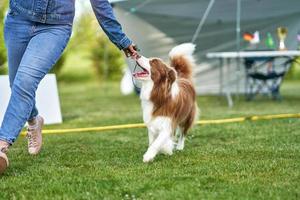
(168,99)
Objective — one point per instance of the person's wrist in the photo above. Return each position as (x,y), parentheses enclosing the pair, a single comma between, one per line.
(125,43)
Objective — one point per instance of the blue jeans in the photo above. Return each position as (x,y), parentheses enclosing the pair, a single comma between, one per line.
(32,50)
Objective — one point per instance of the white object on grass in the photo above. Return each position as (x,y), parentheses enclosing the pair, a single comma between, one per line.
(47,99)
(127,86)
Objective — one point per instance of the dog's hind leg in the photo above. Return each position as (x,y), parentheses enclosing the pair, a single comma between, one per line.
(184,127)
(181,138)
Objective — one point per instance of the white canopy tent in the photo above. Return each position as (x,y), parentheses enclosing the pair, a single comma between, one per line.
(158,25)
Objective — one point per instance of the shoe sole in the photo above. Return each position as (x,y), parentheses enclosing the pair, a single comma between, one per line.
(3,162)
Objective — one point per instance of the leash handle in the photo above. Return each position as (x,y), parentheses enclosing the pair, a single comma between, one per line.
(135,47)
(128,51)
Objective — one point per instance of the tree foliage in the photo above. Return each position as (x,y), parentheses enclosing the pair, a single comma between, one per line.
(107,60)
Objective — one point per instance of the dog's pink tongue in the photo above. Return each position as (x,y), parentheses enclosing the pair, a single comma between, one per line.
(140,74)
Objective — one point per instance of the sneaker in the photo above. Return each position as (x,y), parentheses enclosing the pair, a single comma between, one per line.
(3,157)
(34,135)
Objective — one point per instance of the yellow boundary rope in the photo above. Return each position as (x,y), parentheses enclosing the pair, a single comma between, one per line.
(201,122)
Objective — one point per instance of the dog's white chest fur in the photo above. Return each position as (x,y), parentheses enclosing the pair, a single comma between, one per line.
(147,111)
(147,105)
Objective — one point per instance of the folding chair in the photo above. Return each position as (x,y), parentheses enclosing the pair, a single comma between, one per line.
(263,76)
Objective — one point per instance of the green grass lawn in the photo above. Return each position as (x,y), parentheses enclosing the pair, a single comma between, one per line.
(251,160)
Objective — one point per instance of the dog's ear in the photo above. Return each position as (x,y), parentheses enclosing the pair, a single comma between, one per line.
(155,74)
(158,72)
(171,76)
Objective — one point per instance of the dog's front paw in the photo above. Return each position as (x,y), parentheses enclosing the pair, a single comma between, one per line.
(167,148)
(148,156)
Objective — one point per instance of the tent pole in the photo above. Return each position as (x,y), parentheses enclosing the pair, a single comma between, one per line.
(238,47)
(202,21)
(238,26)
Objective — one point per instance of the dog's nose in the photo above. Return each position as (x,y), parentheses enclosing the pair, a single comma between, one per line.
(140,60)
(138,56)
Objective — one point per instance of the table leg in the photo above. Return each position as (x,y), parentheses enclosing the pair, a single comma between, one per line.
(221,75)
(228,84)
(238,77)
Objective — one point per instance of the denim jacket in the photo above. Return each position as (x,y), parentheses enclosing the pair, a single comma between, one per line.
(63,11)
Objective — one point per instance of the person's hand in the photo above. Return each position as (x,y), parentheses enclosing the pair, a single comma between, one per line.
(131,51)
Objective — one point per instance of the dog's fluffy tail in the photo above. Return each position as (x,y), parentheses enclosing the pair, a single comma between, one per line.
(182,59)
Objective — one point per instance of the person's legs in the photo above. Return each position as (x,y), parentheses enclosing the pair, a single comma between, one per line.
(43,50)
(32,50)
(17,34)
(17,37)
